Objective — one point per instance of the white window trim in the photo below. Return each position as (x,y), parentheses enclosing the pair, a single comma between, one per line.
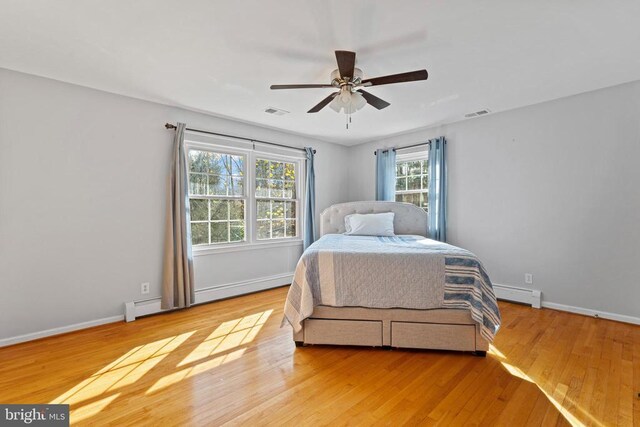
(408,157)
(245,246)
(234,147)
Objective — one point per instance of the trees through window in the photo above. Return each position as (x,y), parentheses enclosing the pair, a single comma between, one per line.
(276,199)
(412,181)
(216,197)
(224,209)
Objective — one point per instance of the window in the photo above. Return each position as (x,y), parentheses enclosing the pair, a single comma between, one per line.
(242,197)
(276,199)
(216,197)
(412,181)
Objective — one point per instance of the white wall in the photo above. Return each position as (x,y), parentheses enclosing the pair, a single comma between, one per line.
(551,189)
(82,192)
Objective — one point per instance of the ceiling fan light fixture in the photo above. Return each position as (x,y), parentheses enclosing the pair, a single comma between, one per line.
(348,102)
(336,105)
(358,100)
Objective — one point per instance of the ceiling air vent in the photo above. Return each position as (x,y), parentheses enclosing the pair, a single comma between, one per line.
(478,113)
(275,111)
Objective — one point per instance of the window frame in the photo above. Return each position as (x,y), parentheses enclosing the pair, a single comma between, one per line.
(411,157)
(230,146)
(244,197)
(298,167)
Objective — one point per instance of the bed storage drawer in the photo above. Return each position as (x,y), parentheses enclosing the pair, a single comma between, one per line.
(343,332)
(434,336)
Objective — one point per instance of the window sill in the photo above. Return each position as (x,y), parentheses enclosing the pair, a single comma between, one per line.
(241,247)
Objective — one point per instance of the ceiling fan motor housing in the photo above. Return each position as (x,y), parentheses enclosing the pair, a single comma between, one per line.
(352,81)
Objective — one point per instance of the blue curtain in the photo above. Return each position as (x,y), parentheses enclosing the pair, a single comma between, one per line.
(386,174)
(310,200)
(438,189)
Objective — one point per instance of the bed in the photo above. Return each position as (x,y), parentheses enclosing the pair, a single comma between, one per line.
(405,291)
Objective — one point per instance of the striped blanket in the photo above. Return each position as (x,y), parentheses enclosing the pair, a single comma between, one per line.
(391,272)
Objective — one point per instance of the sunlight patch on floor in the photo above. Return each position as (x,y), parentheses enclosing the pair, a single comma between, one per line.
(495,352)
(125,370)
(137,362)
(559,394)
(91,409)
(224,339)
(229,335)
(517,372)
(561,390)
(200,368)
(557,398)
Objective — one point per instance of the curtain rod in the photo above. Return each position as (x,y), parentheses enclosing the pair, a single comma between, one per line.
(172,126)
(405,147)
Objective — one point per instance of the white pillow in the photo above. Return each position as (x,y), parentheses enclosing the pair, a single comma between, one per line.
(369,224)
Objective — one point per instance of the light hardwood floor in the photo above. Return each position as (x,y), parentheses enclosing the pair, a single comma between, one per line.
(230,362)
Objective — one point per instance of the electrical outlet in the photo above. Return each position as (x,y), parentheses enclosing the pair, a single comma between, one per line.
(528,278)
(144,288)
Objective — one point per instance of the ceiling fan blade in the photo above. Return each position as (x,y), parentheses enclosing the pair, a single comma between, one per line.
(373,100)
(323,103)
(411,76)
(346,63)
(311,86)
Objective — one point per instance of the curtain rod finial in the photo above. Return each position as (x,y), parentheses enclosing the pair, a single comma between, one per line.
(169,126)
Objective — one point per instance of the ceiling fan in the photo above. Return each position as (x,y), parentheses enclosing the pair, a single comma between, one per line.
(348,79)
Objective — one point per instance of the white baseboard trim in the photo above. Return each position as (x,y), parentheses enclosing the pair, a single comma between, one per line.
(532,297)
(592,313)
(57,331)
(136,309)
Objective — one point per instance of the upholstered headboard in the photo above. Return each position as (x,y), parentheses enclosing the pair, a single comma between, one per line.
(409,219)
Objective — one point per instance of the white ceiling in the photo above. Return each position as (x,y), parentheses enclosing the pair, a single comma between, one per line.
(221,56)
